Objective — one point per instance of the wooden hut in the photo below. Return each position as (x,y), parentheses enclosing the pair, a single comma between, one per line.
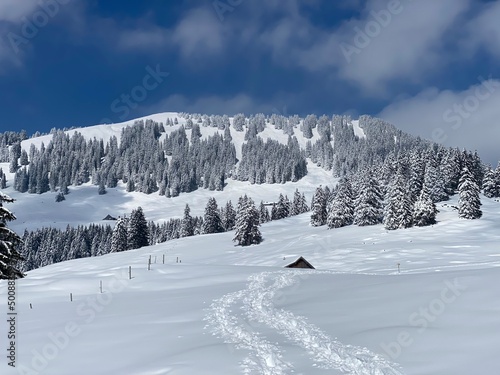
(300,263)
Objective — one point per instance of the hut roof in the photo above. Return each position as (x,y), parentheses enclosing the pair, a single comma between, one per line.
(300,262)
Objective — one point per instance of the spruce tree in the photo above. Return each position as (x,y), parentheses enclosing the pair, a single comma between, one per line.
(119,236)
(469,202)
(398,212)
(212,222)
(247,223)
(368,206)
(102,187)
(282,208)
(187,223)
(341,210)
(9,243)
(424,211)
(229,217)
(491,188)
(434,182)
(296,204)
(318,208)
(264,216)
(137,233)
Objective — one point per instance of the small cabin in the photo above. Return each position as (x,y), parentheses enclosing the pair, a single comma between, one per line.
(109,217)
(300,263)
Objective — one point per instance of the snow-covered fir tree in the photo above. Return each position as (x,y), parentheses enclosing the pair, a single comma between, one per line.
(398,211)
(137,231)
(491,184)
(369,203)
(9,243)
(434,181)
(187,224)
(102,188)
(247,223)
(469,202)
(212,222)
(264,216)
(228,217)
(299,204)
(318,208)
(341,210)
(282,208)
(424,211)
(119,237)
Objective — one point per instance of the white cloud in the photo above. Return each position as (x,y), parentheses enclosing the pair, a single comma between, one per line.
(199,33)
(14,10)
(469,118)
(404,41)
(484,30)
(386,43)
(409,46)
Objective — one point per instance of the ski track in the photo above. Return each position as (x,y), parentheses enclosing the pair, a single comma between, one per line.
(265,358)
(258,304)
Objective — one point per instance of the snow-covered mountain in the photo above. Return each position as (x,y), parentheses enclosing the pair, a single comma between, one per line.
(380,302)
(85,206)
(230,310)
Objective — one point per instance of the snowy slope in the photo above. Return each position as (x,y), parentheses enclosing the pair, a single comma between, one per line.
(106,131)
(102,131)
(358,131)
(83,205)
(229,310)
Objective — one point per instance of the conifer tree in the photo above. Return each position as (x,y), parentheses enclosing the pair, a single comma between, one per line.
(434,182)
(187,224)
(341,210)
(318,208)
(398,212)
(212,222)
(247,223)
(491,187)
(264,216)
(119,236)
(368,206)
(229,217)
(9,243)
(469,202)
(282,208)
(299,204)
(102,188)
(424,211)
(137,233)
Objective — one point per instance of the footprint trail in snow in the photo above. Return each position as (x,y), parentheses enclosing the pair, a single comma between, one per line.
(266,358)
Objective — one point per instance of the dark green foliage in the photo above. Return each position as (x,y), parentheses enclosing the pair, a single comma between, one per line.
(9,243)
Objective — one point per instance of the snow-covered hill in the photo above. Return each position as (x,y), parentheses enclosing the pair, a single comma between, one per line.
(413,301)
(106,131)
(230,310)
(84,206)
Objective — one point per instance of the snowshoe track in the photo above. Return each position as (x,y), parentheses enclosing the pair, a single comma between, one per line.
(265,358)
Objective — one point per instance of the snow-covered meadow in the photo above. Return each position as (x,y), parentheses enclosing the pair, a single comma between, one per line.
(413,301)
(230,310)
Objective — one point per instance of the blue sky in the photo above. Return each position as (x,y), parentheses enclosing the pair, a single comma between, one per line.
(430,67)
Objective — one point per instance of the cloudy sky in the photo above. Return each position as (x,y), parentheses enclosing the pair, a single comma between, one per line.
(430,67)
